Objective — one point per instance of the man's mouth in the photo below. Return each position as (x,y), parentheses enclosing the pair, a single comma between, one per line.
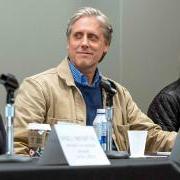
(84,52)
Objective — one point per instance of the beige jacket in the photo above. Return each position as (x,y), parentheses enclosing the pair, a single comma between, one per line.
(52,96)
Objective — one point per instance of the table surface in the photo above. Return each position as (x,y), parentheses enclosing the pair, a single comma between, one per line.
(140,168)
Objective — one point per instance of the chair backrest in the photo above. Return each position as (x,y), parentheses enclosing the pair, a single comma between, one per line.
(2,137)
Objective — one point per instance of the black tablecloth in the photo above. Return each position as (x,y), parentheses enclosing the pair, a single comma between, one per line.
(153,169)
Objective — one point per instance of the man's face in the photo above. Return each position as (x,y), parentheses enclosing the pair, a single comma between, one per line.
(86,43)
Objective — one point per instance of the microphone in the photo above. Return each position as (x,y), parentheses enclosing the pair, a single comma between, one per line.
(11,84)
(9,81)
(110,89)
(107,86)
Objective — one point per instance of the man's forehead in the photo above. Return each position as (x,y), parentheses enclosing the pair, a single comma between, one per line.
(87,24)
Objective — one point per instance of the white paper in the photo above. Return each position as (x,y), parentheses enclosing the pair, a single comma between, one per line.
(164,153)
(80,145)
(149,156)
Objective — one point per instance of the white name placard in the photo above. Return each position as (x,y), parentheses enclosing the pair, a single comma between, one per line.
(80,145)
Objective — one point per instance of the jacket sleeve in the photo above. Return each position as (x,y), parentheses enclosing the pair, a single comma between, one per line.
(157,140)
(164,111)
(30,106)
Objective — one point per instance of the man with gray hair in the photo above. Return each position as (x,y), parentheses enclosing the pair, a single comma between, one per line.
(71,92)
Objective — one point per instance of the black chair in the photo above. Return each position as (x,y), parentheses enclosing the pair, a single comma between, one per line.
(2,137)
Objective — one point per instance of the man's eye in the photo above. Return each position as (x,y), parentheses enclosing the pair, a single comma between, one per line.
(93,37)
(78,35)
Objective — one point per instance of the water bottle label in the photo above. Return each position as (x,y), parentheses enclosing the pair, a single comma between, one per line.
(103,135)
(103,142)
(100,126)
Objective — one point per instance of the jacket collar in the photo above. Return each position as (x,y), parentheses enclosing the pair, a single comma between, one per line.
(64,72)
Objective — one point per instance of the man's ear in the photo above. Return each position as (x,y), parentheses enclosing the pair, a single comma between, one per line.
(105,51)
(102,57)
(106,48)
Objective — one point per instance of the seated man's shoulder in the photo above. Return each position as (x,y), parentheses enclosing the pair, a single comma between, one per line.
(51,75)
(45,76)
(171,89)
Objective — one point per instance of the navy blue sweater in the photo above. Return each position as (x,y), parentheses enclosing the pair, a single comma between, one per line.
(93,99)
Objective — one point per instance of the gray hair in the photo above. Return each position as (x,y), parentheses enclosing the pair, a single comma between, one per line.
(89,11)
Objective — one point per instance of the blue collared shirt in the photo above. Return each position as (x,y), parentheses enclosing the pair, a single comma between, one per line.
(82,79)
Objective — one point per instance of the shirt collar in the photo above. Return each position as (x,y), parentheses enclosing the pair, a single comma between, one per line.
(81,78)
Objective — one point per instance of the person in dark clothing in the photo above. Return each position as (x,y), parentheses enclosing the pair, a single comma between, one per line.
(165,107)
(2,137)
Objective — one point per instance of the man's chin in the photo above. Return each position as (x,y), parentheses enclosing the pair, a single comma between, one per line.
(84,59)
(85,56)
(83,64)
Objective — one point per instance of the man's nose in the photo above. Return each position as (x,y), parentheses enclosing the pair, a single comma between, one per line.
(85,41)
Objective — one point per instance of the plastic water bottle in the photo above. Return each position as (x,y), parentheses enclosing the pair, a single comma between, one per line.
(100,126)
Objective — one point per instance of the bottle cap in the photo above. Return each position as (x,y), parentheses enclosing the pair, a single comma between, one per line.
(101,111)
